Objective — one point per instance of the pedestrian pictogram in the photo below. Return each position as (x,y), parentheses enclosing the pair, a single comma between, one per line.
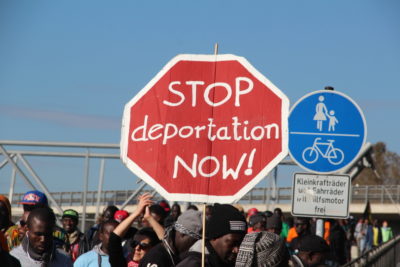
(327,130)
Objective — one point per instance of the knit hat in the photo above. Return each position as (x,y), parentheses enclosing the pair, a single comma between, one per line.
(313,243)
(34,197)
(226,219)
(274,222)
(190,223)
(262,249)
(120,215)
(71,213)
(6,203)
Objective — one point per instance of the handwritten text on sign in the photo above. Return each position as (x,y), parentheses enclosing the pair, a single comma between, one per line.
(325,196)
(206,128)
(237,130)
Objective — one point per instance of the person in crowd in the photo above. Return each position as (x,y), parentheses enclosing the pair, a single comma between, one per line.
(360,234)
(369,238)
(302,228)
(377,234)
(285,227)
(209,211)
(312,251)
(176,211)
(37,199)
(7,227)
(5,214)
(274,224)
(120,215)
(77,240)
(6,259)
(38,247)
(158,213)
(142,241)
(386,231)
(192,207)
(337,242)
(251,212)
(92,235)
(225,231)
(177,241)
(262,249)
(98,256)
(173,216)
(257,223)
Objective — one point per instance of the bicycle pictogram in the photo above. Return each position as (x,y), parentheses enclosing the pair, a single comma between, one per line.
(334,155)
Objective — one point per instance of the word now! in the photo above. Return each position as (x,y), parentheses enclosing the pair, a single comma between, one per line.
(197,166)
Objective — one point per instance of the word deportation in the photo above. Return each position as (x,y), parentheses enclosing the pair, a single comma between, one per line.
(235,131)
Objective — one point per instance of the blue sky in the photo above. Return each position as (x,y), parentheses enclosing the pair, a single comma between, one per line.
(68,67)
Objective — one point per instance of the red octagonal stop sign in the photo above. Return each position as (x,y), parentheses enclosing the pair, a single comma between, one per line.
(206,129)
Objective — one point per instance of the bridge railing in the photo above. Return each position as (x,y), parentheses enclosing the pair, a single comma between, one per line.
(281,195)
(387,254)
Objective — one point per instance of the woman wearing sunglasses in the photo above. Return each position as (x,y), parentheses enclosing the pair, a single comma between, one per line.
(143,240)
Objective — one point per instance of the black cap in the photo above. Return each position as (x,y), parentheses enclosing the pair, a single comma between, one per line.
(225,219)
(313,243)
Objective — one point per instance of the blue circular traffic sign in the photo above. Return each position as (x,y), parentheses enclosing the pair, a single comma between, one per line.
(327,131)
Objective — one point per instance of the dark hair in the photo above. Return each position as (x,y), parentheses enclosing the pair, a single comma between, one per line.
(113,209)
(192,207)
(278,210)
(44,214)
(104,224)
(149,233)
(157,209)
(28,207)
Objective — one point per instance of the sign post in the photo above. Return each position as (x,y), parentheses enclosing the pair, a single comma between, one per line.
(206,128)
(322,196)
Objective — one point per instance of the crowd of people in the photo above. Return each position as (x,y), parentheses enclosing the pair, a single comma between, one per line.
(157,235)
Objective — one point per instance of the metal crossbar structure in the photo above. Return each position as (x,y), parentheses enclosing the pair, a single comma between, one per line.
(387,254)
(17,153)
(360,194)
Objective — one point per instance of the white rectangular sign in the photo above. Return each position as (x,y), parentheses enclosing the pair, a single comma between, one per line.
(323,196)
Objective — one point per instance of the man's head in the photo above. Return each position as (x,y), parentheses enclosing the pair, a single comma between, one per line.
(142,242)
(274,224)
(22,228)
(176,211)
(313,250)
(40,225)
(158,213)
(187,230)
(70,220)
(258,222)
(105,230)
(108,213)
(5,212)
(278,211)
(302,225)
(225,231)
